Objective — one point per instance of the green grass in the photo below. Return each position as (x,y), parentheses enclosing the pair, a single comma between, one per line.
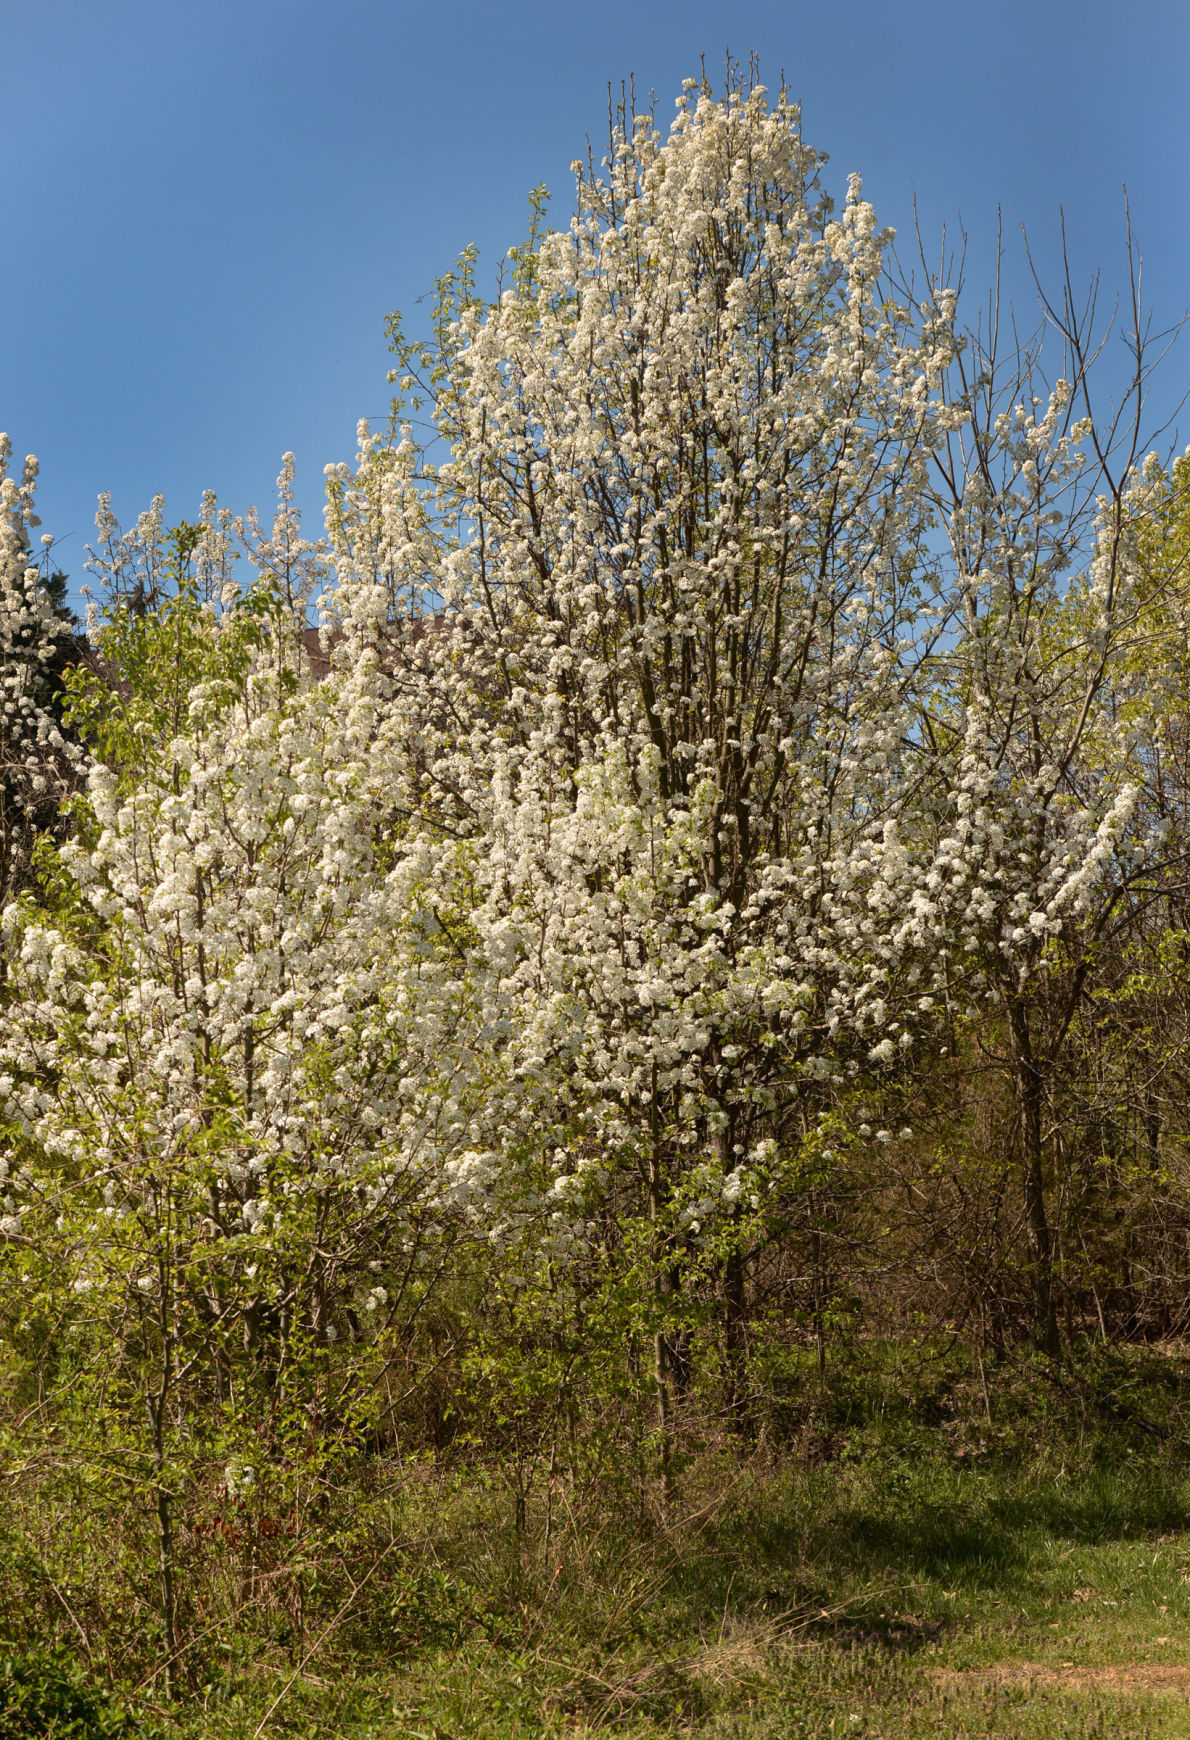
(902,1569)
(890,1597)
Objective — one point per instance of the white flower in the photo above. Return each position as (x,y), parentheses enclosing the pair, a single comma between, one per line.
(239,1478)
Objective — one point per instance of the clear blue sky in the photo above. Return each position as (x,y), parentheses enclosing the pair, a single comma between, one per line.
(212,205)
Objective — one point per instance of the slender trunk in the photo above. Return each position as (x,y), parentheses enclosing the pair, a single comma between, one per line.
(158,1404)
(819,1289)
(165,1530)
(660,1351)
(1152,1131)
(983,1379)
(734,1318)
(551,1476)
(1041,1249)
(734,1296)
(678,1358)
(661,1377)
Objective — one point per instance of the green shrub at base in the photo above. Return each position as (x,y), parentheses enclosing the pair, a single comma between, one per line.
(41,1698)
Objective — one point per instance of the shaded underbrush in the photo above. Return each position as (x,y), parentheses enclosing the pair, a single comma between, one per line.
(919,1551)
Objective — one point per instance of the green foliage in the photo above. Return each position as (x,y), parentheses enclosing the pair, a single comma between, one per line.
(160,668)
(43,1697)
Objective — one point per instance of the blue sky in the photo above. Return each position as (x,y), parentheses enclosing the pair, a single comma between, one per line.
(212,206)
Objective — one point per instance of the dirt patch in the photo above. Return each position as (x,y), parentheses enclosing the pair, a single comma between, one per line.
(1167,1678)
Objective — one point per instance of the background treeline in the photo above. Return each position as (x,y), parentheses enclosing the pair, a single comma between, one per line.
(687,962)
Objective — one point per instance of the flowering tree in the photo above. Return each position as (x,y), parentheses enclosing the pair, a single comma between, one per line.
(209,1042)
(660,732)
(37,763)
(686,742)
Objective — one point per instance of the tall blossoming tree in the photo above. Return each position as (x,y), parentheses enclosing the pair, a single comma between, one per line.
(673,535)
(607,863)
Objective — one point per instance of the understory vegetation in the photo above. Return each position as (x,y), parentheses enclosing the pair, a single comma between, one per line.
(901,1563)
(593,1066)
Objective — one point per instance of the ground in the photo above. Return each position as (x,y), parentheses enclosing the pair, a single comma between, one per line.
(896,1598)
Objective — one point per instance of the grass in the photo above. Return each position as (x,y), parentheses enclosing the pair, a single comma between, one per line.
(896,1578)
(904,1597)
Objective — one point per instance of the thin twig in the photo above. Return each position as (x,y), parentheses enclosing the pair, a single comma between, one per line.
(322,1637)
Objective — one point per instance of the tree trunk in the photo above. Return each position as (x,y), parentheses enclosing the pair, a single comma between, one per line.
(660,1280)
(1041,1249)
(165,1535)
(739,1408)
